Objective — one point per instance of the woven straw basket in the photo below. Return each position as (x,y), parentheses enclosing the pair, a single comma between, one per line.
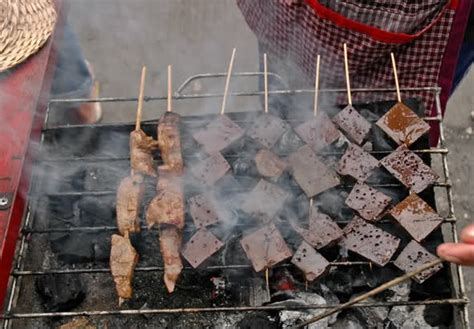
(25,25)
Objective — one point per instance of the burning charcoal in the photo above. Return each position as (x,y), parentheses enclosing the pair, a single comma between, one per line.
(357,163)
(323,231)
(201,246)
(97,211)
(253,321)
(409,169)
(290,318)
(416,217)
(318,132)
(211,169)
(269,164)
(348,322)
(372,316)
(266,129)
(60,292)
(311,174)
(332,203)
(370,241)
(202,209)
(353,124)
(403,125)
(264,200)
(105,177)
(310,262)
(244,166)
(415,256)
(72,248)
(258,293)
(402,317)
(218,134)
(265,247)
(367,201)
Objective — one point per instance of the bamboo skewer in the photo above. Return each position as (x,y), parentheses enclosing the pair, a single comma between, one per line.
(267,281)
(169,107)
(371,293)
(140,99)
(348,83)
(265,79)
(229,73)
(316,85)
(394,65)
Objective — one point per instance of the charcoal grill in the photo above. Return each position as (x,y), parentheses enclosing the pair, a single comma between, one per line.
(15,310)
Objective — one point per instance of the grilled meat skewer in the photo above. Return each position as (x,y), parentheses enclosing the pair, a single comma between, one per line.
(141,159)
(170,245)
(169,142)
(129,197)
(123,259)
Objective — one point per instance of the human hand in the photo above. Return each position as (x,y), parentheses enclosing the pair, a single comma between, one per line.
(461,253)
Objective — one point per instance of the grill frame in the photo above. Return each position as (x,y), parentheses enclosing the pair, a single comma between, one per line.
(458,300)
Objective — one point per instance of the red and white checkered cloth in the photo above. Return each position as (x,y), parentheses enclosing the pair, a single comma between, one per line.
(416,31)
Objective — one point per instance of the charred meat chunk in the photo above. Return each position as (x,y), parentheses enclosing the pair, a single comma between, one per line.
(357,163)
(265,247)
(409,169)
(368,202)
(218,134)
(311,262)
(170,245)
(167,207)
(403,125)
(413,257)
(369,241)
(141,158)
(169,141)
(266,129)
(318,132)
(416,217)
(129,198)
(311,174)
(353,124)
(123,259)
(202,245)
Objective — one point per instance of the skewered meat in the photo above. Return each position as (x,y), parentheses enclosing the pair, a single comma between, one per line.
(368,202)
(218,134)
(353,124)
(169,141)
(170,245)
(269,164)
(266,129)
(202,208)
(318,132)
(211,169)
(141,159)
(167,207)
(123,259)
(310,262)
(129,196)
(357,163)
(403,125)
(200,247)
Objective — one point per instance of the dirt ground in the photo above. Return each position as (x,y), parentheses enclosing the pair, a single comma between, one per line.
(119,36)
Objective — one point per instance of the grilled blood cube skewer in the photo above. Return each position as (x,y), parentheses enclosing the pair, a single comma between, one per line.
(269,165)
(357,163)
(311,262)
(400,122)
(201,246)
(368,202)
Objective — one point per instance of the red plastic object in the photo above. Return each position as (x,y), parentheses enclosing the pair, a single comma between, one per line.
(24,94)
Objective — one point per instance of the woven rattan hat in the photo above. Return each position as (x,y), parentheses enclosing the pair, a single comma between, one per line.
(25,25)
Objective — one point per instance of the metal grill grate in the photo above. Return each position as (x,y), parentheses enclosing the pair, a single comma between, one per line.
(29,232)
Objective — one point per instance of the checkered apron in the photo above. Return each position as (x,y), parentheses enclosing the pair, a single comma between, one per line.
(416,31)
